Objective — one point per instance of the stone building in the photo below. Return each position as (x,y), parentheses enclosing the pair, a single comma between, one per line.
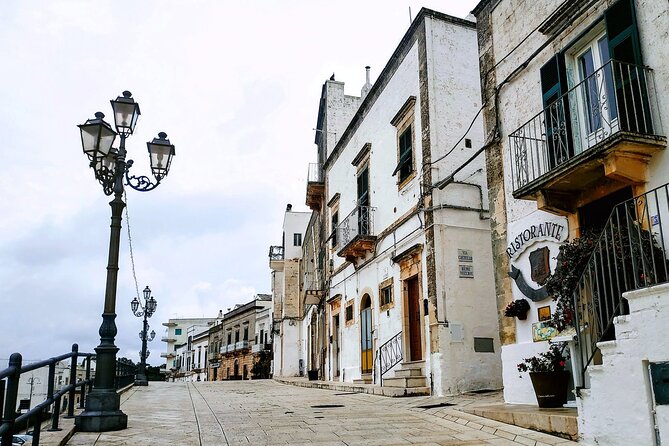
(396,274)
(287,305)
(573,95)
(235,339)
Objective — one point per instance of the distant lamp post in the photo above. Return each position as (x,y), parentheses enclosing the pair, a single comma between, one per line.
(102,411)
(145,311)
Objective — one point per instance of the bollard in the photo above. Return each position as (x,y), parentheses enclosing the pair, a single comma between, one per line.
(11,395)
(73,382)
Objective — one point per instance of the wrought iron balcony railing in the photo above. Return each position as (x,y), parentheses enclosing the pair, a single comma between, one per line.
(617,98)
(276,252)
(631,253)
(360,222)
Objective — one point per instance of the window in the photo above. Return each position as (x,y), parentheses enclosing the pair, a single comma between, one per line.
(246,333)
(236,336)
(229,338)
(334,222)
(297,239)
(348,314)
(405,163)
(405,136)
(177,331)
(386,294)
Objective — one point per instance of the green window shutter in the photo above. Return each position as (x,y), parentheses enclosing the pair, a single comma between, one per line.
(622,32)
(559,141)
(404,166)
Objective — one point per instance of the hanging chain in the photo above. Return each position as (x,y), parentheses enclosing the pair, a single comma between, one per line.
(132,257)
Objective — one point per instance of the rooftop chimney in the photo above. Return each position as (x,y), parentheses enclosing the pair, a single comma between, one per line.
(367,86)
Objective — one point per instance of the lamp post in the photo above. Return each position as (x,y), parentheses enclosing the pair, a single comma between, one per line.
(146,311)
(102,411)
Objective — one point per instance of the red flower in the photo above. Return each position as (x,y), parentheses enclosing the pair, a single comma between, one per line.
(562,363)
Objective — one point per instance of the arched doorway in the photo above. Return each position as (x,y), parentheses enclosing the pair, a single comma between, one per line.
(366,352)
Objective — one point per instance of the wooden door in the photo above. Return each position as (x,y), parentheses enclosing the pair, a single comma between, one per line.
(415,338)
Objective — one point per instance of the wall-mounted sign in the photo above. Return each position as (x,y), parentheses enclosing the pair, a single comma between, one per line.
(467,271)
(544,313)
(542,331)
(539,231)
(215,365)
(465,255)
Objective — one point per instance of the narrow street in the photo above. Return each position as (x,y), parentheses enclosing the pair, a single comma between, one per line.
(270,413)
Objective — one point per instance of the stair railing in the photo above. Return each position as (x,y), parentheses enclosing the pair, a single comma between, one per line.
(631,253)
(389,354)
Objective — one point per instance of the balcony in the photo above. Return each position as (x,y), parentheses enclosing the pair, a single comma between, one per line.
(315,186)
(167,355)
(355,234)
(241,345)
(257,348)
(276,254)
(167,339)
(596,138)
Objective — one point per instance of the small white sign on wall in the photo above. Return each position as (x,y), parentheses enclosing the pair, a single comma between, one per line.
(465,255)
(467,271)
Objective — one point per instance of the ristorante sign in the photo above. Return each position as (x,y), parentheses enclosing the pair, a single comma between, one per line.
(539,231)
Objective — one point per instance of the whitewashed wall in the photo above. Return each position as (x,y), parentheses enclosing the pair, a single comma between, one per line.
(607,414)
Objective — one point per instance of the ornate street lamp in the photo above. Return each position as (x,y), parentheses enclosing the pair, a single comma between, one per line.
(145,311)
(102,411)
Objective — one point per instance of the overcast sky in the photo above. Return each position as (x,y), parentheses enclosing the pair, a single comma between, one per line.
(234,84)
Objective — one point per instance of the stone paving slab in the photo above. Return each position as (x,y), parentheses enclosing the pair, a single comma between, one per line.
(270,413)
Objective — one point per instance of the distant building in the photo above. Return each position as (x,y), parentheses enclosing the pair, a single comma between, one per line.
(176,335)
(236,340)
(288,307)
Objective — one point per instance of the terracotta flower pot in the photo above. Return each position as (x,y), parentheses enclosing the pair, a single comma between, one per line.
(550,388)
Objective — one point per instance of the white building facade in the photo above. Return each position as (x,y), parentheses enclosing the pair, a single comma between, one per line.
(176,334)
(575,93)
(409,299)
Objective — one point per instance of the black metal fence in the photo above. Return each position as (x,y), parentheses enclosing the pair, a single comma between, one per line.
(9,387)
(125,373)
(631,253)
(12,421)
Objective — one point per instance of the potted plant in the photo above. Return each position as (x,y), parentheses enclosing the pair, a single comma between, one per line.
(517,308)
(549,377)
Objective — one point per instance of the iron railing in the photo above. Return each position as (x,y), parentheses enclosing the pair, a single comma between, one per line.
(276,252)
(618,97)
(125,373)
(631,253)
(388,356)
(359,222)
(315,173)
(9,388)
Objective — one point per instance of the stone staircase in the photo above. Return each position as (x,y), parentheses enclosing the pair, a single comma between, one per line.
(410,377)
(365,379)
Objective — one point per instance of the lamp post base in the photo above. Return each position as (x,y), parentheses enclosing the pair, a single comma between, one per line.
(141,380)
(102,413)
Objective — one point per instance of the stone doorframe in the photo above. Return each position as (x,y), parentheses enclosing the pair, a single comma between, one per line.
(410,266)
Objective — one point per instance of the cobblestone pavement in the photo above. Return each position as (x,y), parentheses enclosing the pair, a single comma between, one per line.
(270,413)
